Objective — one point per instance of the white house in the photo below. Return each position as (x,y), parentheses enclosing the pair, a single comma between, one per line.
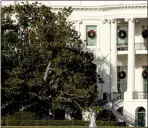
(116,32)
(119,44)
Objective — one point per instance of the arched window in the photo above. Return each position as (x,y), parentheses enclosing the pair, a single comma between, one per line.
(140,113)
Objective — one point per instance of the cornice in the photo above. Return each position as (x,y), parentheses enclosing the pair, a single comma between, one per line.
(104,7)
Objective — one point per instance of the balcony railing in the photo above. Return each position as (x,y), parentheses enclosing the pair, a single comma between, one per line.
(141,46)
(122,47)
(140,95)
(115,96)
(138,46)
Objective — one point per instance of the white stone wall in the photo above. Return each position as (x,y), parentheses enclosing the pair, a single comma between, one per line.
(131,106)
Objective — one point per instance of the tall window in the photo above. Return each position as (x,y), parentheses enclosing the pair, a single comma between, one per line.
(123,39)
(145,82)
(122,83)
(91,35)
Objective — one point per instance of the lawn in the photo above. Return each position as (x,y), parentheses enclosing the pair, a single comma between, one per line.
(62,127)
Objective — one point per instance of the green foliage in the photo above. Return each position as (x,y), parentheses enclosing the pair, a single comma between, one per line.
(57,123)
(20,116)
(13,119)
(71,75)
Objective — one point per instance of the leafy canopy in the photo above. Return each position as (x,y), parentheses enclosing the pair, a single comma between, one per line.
(45,67)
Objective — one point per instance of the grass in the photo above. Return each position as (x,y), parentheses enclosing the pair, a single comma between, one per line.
(61,127)
(57,127)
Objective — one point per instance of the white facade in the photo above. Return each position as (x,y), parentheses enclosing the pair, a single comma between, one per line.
(107,16)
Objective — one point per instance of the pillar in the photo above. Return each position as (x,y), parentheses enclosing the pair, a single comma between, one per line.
(131,56)
(113,55)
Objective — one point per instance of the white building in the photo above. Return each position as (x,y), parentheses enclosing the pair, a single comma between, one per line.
(118,45)
(114,53)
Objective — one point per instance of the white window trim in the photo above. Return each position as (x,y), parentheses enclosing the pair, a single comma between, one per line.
(121,25)
(83,31)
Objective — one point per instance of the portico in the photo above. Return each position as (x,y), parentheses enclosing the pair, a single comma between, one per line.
(131,54)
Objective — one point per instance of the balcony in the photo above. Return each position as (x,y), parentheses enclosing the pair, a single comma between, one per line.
(122,47)
(138,46)
(141,46)
(140,95)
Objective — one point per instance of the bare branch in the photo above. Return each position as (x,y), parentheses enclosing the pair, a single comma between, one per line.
(47,71)
(77,104)
(72,95)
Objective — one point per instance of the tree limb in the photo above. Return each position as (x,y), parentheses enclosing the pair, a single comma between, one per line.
(47,70)
(72,95)
(77,104)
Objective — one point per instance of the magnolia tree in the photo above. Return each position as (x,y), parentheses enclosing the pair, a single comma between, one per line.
(44,65)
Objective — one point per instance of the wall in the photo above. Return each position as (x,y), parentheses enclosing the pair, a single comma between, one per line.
(131,106)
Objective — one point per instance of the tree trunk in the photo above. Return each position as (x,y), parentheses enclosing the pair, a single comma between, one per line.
(92,120)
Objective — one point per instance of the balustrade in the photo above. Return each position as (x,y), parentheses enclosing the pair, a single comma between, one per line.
(138,46)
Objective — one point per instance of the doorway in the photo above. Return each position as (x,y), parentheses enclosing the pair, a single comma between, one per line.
(141,117)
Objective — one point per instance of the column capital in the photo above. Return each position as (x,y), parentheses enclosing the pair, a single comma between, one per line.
(104,21)
(129,19)
(108,21)
(80,21)
(113,20)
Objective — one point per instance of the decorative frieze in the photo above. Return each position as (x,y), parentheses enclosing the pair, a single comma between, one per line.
(105,8)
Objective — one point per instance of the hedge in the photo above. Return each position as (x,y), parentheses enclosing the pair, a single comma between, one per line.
(56,123)
(29,119)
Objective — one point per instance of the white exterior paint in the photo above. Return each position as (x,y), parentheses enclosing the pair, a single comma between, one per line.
(101,13)
(131,55)
(113,67)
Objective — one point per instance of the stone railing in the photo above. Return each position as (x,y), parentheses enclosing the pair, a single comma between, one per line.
(141,46)
(138,46)
(140,95)
(122,47)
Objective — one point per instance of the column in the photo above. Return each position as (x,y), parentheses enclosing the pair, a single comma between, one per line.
(113,55)
(79,24)
(131,56)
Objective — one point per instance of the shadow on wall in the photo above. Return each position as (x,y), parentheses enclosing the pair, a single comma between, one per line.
(103,64)
(106,115)
(104,70)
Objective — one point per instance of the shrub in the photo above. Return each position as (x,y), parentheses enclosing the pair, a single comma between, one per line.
(55,123)
(19,118)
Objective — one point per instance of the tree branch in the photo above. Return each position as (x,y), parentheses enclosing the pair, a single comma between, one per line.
(47,71)
(77,104)
(76,96)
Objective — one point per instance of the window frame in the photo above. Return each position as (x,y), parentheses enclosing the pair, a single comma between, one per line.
(83,31)
(122,25)
(87,36)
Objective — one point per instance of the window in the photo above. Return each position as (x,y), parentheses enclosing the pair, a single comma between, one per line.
(122,83)
(122,41)
(145,83)
(91,35)
(104,96)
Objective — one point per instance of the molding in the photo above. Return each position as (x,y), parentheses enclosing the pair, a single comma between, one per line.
(114,20)
(104,21)
(109,21)
(126,19)
(80,21)
(130,19)
(103,7)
